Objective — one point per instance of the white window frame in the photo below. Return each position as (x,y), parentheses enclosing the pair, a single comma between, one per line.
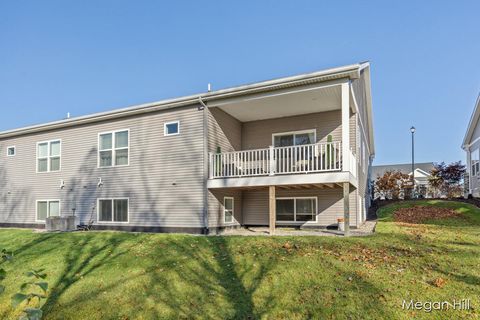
(113,149)
(294,133)
(165,132)
(225,209)
(48,208)
(295,210)
(113,213)
(48,157)
(14,151)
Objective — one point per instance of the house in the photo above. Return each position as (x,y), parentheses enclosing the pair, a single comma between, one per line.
(471,145)
(421,175)
(294,151)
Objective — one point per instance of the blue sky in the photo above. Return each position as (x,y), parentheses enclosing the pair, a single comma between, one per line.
(88,56)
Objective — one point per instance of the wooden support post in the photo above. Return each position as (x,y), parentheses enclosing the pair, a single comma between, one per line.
(346,207)
(272,209)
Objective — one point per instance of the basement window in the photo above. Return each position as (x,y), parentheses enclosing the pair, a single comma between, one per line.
(47,208)
(112,210)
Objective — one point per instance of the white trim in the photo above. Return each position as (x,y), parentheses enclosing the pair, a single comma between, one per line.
(165,134)
(295,133)
(359,119)
(473,142)
(14,151)
(113,210)
(287,179)
(48,157)
(113,149)
(345,124)
(295,210)
(225,209)
(472,123)
(48,208)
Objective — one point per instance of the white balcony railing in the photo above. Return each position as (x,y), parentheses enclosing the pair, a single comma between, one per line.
(319,157)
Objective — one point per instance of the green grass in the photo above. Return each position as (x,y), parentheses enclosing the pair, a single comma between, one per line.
(113,275)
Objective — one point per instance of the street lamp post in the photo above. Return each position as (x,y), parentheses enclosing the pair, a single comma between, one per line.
(412,130)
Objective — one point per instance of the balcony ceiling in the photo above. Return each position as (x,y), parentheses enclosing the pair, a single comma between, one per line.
(283,103)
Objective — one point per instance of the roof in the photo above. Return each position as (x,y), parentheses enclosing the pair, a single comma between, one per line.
(472,124)
(350,71)
(405,168)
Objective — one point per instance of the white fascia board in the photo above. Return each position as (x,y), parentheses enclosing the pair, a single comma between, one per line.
(471,125)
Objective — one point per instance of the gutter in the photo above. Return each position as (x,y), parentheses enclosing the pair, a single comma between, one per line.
(205,166)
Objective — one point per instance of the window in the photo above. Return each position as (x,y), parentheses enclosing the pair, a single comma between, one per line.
(171,128)
(296,209)
(475,161)
(228,204)
(11,151)
(47,208)
(48,156)
(294,138)
(112,210)
(113,148)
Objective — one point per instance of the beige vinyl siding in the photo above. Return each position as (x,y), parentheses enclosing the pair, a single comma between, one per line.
(330,205)
(215,207)
(164,179)
(224,131)
(258,134)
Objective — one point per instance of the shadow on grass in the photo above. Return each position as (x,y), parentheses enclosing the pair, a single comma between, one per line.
(81,259)
(214,274)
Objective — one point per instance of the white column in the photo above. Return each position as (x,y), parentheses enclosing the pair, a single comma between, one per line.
(469,170)
(346,126)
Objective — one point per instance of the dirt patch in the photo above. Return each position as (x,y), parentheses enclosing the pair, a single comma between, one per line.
(419,214)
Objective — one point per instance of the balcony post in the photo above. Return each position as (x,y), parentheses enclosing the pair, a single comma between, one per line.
(272,161)
(346,126)
(346,208)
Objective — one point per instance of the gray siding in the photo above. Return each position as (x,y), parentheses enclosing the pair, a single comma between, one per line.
(224,131)
(164,180)
(258,134)
(216,208)
(330,205)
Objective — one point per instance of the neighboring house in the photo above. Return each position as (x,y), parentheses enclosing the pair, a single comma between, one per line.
(421,174)
(294,151)
(471,145)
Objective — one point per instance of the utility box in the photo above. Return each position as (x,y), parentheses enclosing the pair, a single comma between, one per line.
(67,223)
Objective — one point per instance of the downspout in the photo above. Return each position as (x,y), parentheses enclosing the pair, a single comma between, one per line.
(205,165)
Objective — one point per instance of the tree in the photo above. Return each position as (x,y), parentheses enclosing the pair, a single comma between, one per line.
(447,179)
(393,185)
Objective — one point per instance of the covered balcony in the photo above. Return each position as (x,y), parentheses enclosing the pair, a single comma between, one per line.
(297,159)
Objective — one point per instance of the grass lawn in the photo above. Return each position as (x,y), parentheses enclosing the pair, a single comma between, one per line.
(113,275)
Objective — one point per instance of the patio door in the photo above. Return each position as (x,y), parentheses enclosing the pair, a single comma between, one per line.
(296,210)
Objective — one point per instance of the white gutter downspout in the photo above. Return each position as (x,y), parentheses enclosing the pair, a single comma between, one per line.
(205,165)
